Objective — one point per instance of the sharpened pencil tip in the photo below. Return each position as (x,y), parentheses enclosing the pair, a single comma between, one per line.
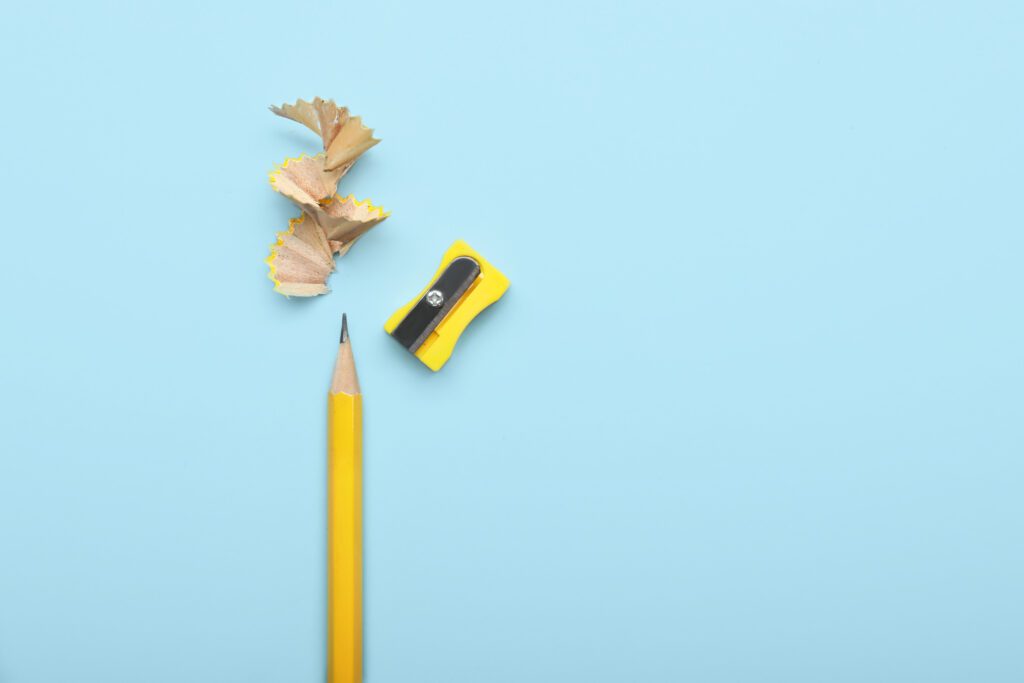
(344,328)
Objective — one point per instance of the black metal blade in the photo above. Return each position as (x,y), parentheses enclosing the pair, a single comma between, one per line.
(425,315)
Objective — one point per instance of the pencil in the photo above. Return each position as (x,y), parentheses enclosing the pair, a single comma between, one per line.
(344,519)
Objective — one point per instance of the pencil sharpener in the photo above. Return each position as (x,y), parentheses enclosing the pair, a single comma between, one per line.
(431,324)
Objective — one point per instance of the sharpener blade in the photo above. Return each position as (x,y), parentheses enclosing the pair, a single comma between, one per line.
(441,297)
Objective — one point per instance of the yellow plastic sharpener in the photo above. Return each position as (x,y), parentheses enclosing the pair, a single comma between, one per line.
(431,324)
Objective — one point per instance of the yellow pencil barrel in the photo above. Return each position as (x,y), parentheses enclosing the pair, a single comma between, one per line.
(344,538)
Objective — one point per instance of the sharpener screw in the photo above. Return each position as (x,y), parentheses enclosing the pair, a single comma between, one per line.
(435,298)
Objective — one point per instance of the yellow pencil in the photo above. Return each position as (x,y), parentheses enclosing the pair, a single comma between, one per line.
(344,519)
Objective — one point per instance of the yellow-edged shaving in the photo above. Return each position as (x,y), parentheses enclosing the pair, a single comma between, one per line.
(305,181)
(345,220)
(301,259)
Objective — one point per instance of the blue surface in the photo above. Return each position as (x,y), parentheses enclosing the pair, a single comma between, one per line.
(752,409)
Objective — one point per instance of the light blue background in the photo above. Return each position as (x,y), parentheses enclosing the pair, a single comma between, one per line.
(752,409)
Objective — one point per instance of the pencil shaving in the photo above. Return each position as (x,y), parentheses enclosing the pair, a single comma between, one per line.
(351,141)
(344,137)
(305,181)
(303,256)
(301,259)
(346,220)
